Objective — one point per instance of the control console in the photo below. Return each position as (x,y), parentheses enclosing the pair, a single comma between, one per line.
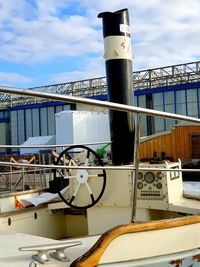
(153,184)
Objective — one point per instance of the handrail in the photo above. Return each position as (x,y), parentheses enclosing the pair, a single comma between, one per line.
(122,167)
(54,146)
(105,104)
(92,257)
(19,172)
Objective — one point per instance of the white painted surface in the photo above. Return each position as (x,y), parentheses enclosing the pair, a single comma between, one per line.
(191,190)
(10,256)
(76,127)
(37,140)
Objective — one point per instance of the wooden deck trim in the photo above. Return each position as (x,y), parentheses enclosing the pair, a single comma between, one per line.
(92,257)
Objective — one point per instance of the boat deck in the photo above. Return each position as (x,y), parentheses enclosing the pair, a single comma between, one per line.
(11,256)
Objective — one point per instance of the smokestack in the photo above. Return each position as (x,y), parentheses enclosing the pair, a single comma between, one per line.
(119,74)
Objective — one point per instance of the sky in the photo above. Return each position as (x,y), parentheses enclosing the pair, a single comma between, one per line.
(45,42)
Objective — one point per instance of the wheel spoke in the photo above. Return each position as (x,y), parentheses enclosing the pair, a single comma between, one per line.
(88,154)
(96,175)
(93,175)
(88,187)
(64,190)
(87,158)
(66,176)
(72,199)
(73,161)
(70,177)
(76,190)
(92,197)
(86,162)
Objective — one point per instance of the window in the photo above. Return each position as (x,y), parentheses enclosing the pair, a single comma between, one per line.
(35,116)
(192,104)
(143,119)
(159,105)
(180,102)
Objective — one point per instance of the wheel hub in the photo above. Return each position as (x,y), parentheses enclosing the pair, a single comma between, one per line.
(82,176)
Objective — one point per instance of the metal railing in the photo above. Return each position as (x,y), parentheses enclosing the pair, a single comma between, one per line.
(22,176)
(113,106)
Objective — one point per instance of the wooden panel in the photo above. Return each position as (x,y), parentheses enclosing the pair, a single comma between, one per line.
(158,143)
(177,144)
(195,139)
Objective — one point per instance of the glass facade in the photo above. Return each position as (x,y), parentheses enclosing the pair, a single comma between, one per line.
(169,107)
(183,102)
(31,122)
(141,102)
(180,102)
(192,103)
(158,104)
(3,114)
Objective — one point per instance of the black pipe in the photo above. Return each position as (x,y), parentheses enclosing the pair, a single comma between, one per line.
(118,56)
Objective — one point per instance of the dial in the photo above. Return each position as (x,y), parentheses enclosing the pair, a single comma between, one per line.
(159,175)
(140,175)
(149,177)
(140,185)
(159,185)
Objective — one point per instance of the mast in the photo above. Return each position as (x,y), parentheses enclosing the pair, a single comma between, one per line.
(118,60)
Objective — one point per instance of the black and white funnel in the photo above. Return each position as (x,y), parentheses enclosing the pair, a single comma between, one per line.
(118,56)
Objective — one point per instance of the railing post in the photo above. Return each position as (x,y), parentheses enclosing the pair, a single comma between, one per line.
(23,179)
(11,189)
(136,165)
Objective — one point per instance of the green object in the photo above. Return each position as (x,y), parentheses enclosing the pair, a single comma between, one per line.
(101,150)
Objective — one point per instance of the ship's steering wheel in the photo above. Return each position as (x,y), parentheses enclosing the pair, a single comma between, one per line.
(84,188)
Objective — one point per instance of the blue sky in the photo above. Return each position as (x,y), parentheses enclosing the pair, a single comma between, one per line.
(53,41)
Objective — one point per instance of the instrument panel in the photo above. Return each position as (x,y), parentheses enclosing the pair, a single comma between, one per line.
(150,185)
(153,184)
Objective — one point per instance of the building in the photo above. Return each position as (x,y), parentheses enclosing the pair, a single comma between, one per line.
(173,89)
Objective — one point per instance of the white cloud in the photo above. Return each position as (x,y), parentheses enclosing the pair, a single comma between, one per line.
(163,32)
(94,68)
(45,35)
(11,77)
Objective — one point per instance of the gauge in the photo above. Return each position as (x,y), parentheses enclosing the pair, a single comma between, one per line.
(140,185)
(159,175)
(159,185)
(149,177)
(140,175)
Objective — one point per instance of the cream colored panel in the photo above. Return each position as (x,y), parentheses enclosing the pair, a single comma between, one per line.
(36,222)
(117,47)
(101,219)
(139,245)
(118,189)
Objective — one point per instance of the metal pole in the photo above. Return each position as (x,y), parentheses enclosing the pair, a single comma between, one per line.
(11,180)
(99,103)
(34,177)
(40,171)
(136,165)
(50,171)
(23,177)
